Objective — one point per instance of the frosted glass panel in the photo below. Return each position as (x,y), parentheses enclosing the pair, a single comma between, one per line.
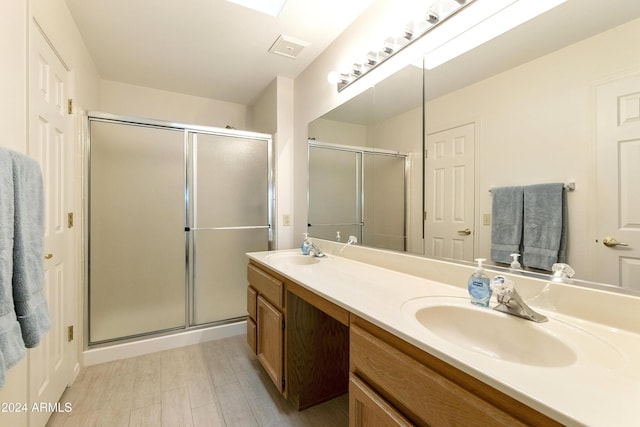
(137,237)
(334,188)
(220,272)
(384,206)
(231,181)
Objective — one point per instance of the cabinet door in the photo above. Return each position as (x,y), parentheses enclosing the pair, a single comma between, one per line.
(367,408)
(270,340)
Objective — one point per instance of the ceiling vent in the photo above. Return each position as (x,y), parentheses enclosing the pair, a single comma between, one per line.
(287,46)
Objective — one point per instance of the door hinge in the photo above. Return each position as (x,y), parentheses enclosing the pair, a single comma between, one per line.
(69,106)
(424,218)
(70,333)
(283,382)
(426,154)
(70,220)
(283,324)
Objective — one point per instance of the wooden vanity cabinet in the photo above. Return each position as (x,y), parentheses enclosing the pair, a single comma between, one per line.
(301,339)
(314,350)
(265,329)
(422,388)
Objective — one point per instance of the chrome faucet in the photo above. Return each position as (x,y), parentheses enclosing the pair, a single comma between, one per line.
(313,248)
(510,302)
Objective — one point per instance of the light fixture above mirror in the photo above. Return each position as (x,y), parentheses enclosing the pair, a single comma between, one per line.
(414,28)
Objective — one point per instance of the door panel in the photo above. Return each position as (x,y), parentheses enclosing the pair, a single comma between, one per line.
(137,231)
(335,193)
(618,174)
(231,185)
(220,272)
(384,202)
(230,218)
(449,197)
(51,363)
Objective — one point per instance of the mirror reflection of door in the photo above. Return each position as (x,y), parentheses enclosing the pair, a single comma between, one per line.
(449,193)
(617,255)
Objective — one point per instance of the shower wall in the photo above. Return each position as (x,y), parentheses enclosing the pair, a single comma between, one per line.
(172,212)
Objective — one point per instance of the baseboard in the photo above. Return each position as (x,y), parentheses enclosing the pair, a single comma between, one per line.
(167,342)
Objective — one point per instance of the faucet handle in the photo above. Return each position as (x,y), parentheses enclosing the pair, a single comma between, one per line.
(501,285)
(562,270)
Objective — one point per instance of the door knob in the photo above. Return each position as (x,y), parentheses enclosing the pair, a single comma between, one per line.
(465,232)
(48,256)
(610,242)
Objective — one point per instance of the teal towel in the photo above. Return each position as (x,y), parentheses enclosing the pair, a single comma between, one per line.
(28,250)
(545,225)
(11,344)
(506,226)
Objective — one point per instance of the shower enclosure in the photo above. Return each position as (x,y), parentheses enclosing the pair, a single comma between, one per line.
(358,191)
(172,211)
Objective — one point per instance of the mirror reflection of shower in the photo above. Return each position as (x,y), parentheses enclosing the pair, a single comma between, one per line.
(358,191)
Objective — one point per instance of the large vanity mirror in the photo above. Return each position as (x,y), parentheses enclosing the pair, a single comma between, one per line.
(365,166)
(542,103)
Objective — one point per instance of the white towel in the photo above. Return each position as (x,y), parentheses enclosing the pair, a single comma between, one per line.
(28,250)
(11,344)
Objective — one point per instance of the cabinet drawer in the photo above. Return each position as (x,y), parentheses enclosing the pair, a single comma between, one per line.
(252,297)
(252,335)
(421,394)
(367,408)
(267,286)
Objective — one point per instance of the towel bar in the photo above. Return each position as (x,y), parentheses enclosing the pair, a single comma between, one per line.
(569,186)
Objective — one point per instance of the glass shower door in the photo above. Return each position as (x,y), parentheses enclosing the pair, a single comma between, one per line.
(230,216)
(136,231)
(335,193)
(385,201)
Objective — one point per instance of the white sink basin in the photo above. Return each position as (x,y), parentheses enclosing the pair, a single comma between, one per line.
(506,337)
(291,258)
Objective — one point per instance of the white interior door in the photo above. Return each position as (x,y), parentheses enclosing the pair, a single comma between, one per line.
(450,193)
(51,144)
(618,178)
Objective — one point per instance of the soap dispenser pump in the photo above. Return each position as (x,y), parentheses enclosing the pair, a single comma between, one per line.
(479,286)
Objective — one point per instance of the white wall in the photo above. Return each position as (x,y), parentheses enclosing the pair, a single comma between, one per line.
(335,132)
(131,100)
(536,124)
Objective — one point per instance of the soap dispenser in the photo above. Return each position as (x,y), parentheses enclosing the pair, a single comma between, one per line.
(479,286)
(515,264)
(305,246)
(338,238)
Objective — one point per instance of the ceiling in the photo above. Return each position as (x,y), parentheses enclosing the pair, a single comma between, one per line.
(209,48)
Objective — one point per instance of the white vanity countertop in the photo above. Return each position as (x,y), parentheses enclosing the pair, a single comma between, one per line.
(601,388)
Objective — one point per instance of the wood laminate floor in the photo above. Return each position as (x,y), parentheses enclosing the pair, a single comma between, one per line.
(217,383)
